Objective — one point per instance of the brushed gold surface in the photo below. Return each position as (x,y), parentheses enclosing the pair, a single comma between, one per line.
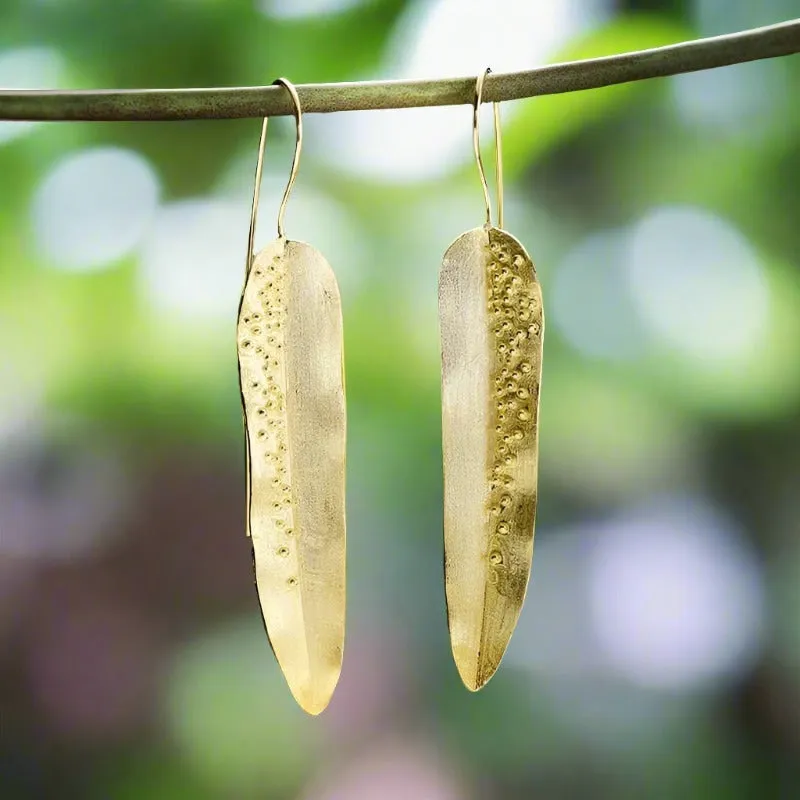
(491,323)
(289,338)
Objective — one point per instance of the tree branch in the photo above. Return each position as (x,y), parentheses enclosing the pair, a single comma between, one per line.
(228,103)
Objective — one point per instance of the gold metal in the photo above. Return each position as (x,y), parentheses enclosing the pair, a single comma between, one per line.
(251,236)
(498,151)
(492,325)
(498,164)
(298,146)
(291,372)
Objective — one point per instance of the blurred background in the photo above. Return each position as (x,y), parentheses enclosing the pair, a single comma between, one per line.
(658,652)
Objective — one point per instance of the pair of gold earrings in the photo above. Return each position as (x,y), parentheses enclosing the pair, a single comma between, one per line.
(291,372)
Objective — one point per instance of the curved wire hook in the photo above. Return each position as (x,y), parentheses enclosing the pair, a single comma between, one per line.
(260,166)
(298,146)
(498,153)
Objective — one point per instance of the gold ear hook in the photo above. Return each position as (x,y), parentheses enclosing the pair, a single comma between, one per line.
(260,165)
(498,153)
(298,146)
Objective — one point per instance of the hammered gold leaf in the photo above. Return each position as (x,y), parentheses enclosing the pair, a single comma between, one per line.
(491,320)
(289,340)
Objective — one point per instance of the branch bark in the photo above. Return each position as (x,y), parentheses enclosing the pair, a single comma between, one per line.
(230,103)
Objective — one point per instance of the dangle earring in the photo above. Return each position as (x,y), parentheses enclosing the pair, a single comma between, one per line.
(291,373)
(491,325)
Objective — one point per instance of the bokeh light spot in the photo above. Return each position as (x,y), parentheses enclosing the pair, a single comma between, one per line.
(592,303)
(314,216)
(677,597)
(28,68)
(94,207)
(193,259)
(698,284)
(393,771)
(442,38)
(742,98)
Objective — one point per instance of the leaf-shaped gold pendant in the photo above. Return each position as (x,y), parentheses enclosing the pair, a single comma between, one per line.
(491,321)
(292,383)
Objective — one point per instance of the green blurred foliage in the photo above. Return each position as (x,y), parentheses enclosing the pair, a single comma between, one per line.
(556,118)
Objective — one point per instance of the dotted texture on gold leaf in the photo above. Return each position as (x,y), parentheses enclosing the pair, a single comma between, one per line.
(289,341)
(491,327)
(515,320)
(262,324)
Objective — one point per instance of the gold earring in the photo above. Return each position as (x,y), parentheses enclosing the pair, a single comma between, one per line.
(291,374)
(491,323)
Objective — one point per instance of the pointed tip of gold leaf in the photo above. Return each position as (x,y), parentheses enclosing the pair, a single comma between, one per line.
(313,699)
(475,678)
(315,707)
(313,692)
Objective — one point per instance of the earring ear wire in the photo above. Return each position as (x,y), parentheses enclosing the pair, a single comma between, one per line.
(298,147)
(498,150)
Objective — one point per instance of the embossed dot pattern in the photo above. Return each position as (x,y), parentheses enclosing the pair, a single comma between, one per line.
(491,329)
(515,318)
(262,321)
(289,342)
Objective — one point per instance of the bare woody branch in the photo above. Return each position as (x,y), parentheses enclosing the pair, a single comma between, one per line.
(229,103)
